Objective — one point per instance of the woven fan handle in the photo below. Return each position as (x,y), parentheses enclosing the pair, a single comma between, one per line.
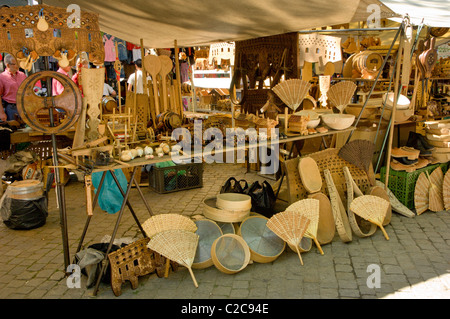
(193,277)
(384,231)
(318,245)
(299,255)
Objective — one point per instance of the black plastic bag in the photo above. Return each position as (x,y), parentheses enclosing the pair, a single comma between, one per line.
(24,214)
(232,185)
(263,198)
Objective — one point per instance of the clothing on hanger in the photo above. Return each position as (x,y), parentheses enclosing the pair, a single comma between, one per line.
(110,49)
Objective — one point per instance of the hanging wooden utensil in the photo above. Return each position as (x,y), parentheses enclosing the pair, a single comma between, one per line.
(166,68)
(153,66)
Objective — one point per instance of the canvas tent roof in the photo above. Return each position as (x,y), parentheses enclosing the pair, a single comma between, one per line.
(202,22)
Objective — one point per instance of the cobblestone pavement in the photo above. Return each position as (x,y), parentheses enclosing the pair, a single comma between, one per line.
(414,263)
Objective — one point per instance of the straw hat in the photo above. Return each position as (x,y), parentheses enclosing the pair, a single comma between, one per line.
(265,246)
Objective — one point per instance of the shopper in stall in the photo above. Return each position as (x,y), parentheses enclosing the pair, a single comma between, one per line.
(10,80)
(138,74)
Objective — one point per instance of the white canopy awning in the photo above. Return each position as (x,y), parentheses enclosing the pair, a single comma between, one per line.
(202,22)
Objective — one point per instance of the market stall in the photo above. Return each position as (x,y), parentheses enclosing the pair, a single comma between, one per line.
(319,100)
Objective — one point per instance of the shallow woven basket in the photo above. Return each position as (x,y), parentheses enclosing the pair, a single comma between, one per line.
(371,208)
(208,231)
(291,227)
(339,212)
(230,253)
(265,246)
(211,211)
(177,245)
(163,222)
(309,208)
(355,222)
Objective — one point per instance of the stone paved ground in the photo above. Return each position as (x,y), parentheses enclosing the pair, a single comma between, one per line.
(414,263)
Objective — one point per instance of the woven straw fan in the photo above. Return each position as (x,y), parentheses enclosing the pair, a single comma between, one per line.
(421,194)
(435,200)
(446,190)
(371,208)
(310,209)
(292,92)
(359,153)
(289,226)
(163,222)
(177,245)
(341,94)
(351,185)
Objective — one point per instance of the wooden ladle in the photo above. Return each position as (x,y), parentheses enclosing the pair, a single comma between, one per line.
(166,67)
(152,65)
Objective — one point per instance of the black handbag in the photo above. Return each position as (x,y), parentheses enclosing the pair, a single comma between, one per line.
(263,198)
(232,185)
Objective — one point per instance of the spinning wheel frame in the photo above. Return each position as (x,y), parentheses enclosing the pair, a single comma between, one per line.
(29,104)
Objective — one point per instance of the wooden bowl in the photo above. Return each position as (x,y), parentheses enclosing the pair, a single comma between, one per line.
(338,121)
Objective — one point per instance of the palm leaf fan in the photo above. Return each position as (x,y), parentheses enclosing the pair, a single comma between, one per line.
(163,222)
(435,201)
(292,92)
(371,208)
(341,94)
(421,194)
(446,190)
(310,209)
(358,153)
(177,245)
(289,226)
(352,190)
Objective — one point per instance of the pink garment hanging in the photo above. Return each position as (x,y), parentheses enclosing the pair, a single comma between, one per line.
(110,49)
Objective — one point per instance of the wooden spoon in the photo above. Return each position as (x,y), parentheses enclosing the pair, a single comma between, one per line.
(166,67)
(152,65)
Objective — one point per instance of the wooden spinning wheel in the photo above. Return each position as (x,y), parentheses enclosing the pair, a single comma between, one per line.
(32,108)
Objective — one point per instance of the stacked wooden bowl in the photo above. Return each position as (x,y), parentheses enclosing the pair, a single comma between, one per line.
(227,207)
